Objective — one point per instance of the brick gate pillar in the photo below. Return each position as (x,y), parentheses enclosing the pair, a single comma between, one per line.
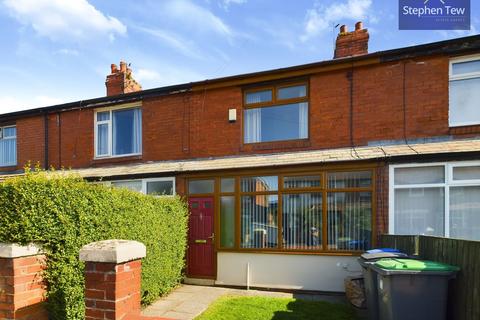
(22,291)
(112,279)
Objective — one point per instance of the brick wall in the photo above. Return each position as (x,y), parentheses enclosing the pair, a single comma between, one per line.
(195,124)
(22,290)
(112,290)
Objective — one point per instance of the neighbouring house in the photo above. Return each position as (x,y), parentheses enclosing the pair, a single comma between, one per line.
(289,173)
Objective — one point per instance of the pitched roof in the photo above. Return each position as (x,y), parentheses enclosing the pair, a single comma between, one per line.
(284,159)
(451,46)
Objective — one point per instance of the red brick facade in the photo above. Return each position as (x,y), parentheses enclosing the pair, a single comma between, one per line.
(188,125)
(22,291)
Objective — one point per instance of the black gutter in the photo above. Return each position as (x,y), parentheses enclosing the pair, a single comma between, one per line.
(446,47)
(102,101)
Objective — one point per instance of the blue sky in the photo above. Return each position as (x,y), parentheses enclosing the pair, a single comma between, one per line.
(55,51)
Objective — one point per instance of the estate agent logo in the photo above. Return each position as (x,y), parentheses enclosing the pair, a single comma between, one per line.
(434,14)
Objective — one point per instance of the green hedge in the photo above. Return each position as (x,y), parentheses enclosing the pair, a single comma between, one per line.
(62,213)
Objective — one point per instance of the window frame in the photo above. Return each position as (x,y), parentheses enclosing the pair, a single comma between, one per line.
(465,76)
(275,102)
(322,189)
(2,137)
(144,184)
(446,185)
(110,131)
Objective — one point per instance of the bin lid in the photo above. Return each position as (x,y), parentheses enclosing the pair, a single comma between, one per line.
(378,250)
(379,255)
(414,265)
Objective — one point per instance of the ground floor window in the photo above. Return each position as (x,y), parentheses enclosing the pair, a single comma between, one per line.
(317,211)
(153,186)
(439,199)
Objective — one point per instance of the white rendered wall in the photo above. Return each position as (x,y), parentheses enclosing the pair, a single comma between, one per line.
(301,272)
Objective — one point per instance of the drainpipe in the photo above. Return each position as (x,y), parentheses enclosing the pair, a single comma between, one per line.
(45,118)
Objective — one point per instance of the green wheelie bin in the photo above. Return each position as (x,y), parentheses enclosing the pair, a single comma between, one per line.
(412,289)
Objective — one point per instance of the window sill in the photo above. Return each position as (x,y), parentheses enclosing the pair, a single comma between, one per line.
(284,144)
(116,159)
(8,166)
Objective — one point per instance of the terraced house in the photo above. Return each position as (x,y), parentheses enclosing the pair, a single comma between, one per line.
(289,173)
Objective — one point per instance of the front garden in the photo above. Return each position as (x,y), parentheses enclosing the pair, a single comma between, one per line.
(61,213)
(268,308)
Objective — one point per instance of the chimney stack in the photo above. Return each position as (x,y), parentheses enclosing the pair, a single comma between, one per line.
(352,43)
(120,81)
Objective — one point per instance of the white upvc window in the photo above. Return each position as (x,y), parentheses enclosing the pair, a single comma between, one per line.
(118,131)
(464,89)
(8,146)
(439,199)
(153,186)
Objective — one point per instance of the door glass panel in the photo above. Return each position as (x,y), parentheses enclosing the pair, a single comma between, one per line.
(194,205)
(159,188)
(420,211)
(259,221)
(349,217)
(301,182)
(466,173)
(302,221)
(227,185)
(227,222)
(201,186)
(465,212)
(419,175)
(259,184)
(355,179)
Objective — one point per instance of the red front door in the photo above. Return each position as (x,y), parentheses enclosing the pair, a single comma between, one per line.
(201,255)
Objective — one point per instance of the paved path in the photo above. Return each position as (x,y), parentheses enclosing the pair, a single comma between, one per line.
(188,301)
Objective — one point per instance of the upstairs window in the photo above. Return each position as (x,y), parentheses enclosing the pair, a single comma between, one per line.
(276,113)
(8,146)
(464,91)
(118,132)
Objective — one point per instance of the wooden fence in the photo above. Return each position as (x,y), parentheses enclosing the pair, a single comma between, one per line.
(464,293)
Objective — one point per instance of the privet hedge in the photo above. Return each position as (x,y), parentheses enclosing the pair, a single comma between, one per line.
(63,213)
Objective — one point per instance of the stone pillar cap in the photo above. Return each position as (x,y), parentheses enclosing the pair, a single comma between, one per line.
(113,251)
(14,250)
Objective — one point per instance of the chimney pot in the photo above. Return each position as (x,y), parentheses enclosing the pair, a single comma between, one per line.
(343,29)
(123,66)
(113,68)
(358,25)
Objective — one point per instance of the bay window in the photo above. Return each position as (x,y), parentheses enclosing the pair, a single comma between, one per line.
(440,199)
(118,132)
(464,91)
(8,146)
(276,113)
